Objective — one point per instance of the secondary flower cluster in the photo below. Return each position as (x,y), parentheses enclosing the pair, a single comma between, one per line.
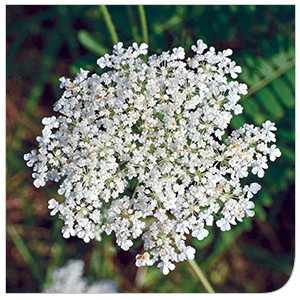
(69,280)
(157,128)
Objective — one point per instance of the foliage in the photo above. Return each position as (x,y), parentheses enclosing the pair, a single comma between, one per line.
(47,42)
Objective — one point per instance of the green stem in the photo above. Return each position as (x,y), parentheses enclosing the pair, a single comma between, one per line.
(26,254)
(135,190)
(133,25)
(143,23)
(200,275)
(109,24)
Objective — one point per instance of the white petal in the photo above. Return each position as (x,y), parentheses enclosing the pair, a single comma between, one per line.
(237,69)
(227,52)
(260,173)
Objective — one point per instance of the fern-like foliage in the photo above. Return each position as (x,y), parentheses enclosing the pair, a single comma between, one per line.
(271,96)
(272,86)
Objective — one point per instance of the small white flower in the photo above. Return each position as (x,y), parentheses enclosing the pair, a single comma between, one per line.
(104,61)
(190,252)
(143,49)
(259,169)
(53,204)
(119,46)
(238,109)
(166,267)
(81,75)
(267,129)
(143,260)
(68,231)
(233,69)
(269,126)
(227,52)
(200,47)
(161,215)
(253,189)
(223,224)
(248,212)
(51,122)
(126,244)
(187,253)
(179,53)
(242,172)
(200,233)
(62,80)
(243,89)
(274,152)
(39,179)
(31,157)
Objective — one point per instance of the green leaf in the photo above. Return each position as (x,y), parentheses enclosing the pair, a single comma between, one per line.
(26,254)
(253,111)
(290,76)
(258,66)
(288,154)
(238,121)
(270,103)
(90,43)
(249,77)
(287,134)
(284,92)
(264,67)
(279,59)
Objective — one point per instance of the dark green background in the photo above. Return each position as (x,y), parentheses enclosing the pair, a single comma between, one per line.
(48,42)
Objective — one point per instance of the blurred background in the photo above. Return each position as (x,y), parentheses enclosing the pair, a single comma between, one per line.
(44,43)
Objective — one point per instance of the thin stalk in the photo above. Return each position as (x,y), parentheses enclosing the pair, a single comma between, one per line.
(109,24)
(133,25)
(140,279)
(143,23)
(200,275)
(135,190)
(26,254)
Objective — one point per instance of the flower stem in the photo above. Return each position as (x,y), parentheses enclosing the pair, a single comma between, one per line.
(143,23)
(200,275)
(109,24)
(135,190)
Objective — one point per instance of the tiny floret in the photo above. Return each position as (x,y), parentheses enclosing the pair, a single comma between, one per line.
(142,151)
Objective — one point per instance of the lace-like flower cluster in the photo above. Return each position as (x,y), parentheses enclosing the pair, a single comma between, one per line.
(160,126)
(69,280)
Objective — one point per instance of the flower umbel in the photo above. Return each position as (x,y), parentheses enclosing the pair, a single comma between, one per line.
(159,124)
(69,280)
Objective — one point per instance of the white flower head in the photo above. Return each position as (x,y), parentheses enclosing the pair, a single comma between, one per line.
(141,151)
(69,279)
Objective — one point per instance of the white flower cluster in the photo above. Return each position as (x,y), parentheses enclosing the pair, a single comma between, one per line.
(68,280)
(158,125)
